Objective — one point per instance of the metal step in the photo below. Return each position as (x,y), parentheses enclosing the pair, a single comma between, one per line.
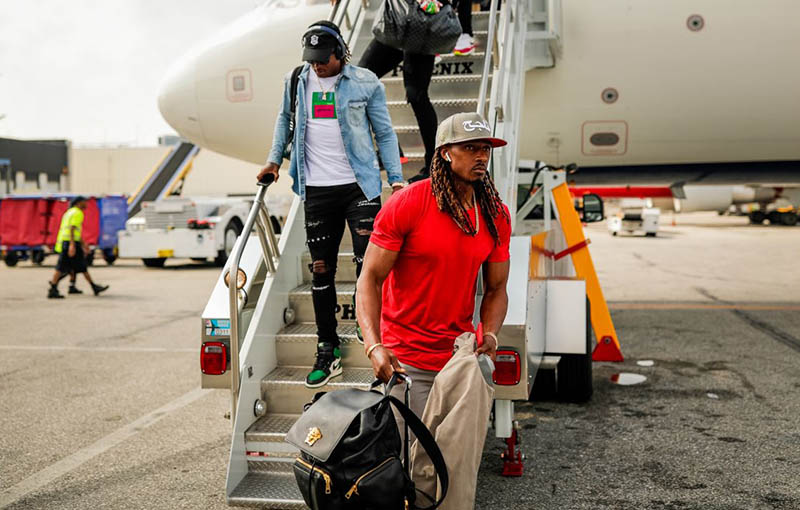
(296,345)
(285,392)
(441,87)
(403,115)
(451,65)
(271,428)
(300,301)
(273,487)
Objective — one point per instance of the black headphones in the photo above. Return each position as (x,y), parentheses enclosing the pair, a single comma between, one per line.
(340,50)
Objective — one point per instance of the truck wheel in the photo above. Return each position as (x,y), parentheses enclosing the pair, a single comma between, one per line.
(789,219)
(232,231)
(11,258)
(159,262)
(109,256)
(574,371)
(37,256)
(757,217)
(544,386)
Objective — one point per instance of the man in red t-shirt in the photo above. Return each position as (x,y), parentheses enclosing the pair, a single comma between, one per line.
(417,287)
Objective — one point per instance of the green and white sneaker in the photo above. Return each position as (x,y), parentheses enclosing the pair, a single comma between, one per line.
(327,365)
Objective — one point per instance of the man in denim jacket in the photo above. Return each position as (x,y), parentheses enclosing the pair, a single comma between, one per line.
(335,169)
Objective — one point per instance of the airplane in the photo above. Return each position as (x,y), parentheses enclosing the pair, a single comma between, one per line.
(643,93)
(770,202)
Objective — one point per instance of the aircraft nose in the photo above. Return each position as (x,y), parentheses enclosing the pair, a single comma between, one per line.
(177,101)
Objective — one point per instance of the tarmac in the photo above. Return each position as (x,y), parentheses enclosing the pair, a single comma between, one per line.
(100,406)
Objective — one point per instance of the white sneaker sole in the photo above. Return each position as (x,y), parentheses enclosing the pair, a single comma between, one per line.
(336,371)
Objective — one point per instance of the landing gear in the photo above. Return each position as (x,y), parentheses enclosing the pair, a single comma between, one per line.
(757,217)
(789,218)
(512,456)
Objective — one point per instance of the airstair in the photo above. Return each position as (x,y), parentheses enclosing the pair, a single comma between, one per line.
(272,335)
(166,178)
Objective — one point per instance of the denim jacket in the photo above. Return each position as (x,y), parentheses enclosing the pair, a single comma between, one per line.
(365,99)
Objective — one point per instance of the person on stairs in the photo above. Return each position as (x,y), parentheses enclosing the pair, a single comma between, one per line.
(417,288)
(72,251)
(417,73)
(466,41)
(339,107)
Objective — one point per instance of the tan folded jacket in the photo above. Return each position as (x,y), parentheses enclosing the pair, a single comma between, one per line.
(457,414)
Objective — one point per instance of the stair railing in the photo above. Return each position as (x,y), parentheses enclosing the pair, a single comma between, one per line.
(505,49)
(259,218)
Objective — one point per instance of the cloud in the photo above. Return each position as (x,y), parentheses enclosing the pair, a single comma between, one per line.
(89,70)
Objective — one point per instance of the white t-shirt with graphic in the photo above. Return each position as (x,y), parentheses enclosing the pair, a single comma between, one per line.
(326,159)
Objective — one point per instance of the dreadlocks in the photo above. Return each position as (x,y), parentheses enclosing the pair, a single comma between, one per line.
(444,190)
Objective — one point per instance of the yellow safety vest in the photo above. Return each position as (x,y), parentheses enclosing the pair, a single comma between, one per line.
(72,218)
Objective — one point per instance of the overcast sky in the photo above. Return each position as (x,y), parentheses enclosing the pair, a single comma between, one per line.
(89,70)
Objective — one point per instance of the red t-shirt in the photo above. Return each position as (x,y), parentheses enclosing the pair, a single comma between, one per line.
(429,295)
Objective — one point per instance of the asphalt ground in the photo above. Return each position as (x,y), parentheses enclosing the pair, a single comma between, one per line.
(99,406)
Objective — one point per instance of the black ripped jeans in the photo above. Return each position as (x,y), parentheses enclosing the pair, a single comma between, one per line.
(417,72)
(327,209)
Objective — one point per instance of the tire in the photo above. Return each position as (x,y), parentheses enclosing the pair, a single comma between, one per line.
(544,386)
(232,231)
(11,258)
(757,217)
(109,255)
(789,219)
(649,234)
(37,257)
(159,262)
(574,371)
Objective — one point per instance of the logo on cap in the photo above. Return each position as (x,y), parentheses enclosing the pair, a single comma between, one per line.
(314,40)
(472,125)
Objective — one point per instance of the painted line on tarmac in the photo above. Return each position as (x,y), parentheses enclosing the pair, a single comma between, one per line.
(56,348)
(73,461)
(701,306)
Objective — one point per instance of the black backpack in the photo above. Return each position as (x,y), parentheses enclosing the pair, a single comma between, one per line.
(350,452)
(287,153)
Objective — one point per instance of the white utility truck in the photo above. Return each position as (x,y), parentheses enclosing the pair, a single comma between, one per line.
(196,228)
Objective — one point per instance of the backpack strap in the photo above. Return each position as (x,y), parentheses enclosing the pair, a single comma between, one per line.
(428,443)
(293,99)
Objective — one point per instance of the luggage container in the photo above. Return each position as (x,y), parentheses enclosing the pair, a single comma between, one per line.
(29,225)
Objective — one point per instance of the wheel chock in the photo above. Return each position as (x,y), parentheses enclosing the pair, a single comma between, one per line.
(607,350)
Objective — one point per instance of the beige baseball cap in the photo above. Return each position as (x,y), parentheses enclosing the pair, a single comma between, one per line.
(466,127)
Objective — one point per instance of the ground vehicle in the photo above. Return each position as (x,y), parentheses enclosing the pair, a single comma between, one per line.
(197,228)
(644,219)
(29,225)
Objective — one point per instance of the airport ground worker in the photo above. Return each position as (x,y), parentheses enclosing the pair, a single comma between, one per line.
(417,288)
(72,250)
(339,107)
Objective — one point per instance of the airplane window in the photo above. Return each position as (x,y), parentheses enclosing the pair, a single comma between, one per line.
(602,139)
(238,83)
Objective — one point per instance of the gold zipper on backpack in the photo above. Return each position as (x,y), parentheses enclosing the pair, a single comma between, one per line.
(325,475)
(354,488)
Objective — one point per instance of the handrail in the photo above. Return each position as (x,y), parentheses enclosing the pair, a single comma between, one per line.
(487,58)
(270,252)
